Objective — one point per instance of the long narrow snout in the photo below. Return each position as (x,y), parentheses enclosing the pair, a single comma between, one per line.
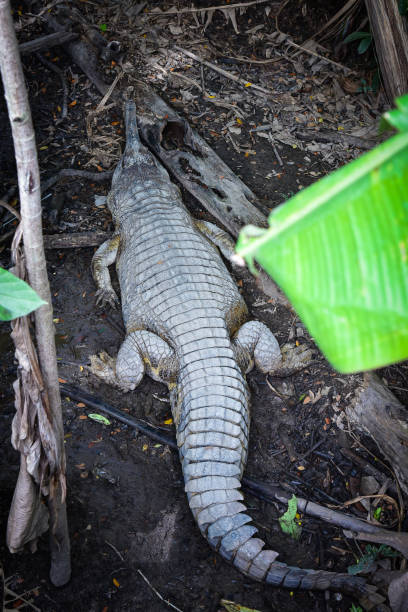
(134,148)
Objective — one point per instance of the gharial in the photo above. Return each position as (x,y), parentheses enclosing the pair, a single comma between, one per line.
(186,325)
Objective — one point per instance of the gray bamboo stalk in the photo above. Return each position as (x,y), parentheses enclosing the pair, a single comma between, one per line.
(30,203)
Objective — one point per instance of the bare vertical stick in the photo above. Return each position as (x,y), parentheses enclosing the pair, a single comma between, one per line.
(391,44)
(29,188)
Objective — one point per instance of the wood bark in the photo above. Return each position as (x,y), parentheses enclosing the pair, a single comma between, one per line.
(377,412)
(390,35)
(75,240)
(30,206)
(45,42)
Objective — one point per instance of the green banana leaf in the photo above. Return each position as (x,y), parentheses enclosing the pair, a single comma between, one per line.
(339,250)
(17,298)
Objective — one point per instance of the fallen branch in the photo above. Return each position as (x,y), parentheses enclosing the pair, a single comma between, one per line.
(46,42)
(98,177)
(264,491)
(82,51)
(75,240)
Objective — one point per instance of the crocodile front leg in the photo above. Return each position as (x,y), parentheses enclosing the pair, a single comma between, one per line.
(141,351)
(104,257)
(217,237)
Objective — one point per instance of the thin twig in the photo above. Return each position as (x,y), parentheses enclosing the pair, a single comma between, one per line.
(208,8)
(166,601)
(202,78)
(187,79)
(340,15)
(16,597)
(207,97)
(61,75)
(224,73)
(275,150)
(10,209)
(248,60)
(116,550)
(326,59)
(108,94)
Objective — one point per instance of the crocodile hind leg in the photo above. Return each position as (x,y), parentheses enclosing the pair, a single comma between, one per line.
(254,342)
(141,352)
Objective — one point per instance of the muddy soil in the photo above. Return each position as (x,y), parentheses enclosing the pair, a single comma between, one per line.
(128,513)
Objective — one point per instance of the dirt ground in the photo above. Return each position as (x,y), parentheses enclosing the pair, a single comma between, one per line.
(128,513)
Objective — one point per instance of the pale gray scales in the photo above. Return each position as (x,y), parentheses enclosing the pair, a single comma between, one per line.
(185,324)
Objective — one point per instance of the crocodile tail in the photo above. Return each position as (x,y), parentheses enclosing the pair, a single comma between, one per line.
(212,443)
(227,528)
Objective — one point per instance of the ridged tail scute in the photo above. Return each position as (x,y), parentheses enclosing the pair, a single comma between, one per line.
(213,437)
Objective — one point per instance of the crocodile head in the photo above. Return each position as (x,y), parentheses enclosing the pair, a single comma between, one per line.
(136,166)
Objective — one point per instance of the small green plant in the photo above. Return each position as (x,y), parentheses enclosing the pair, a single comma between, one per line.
(371,554)
(377,513)
(365,39)
(355,608)
(16,297)
(289,522)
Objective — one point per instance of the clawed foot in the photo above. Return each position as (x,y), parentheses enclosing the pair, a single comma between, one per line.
(104,367)
(294,359)
(106,297)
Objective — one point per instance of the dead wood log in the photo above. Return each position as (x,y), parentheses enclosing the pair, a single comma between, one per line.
(46,42)
(377,412)
(390,35)
(192,161)
(75,240)
(83,51)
